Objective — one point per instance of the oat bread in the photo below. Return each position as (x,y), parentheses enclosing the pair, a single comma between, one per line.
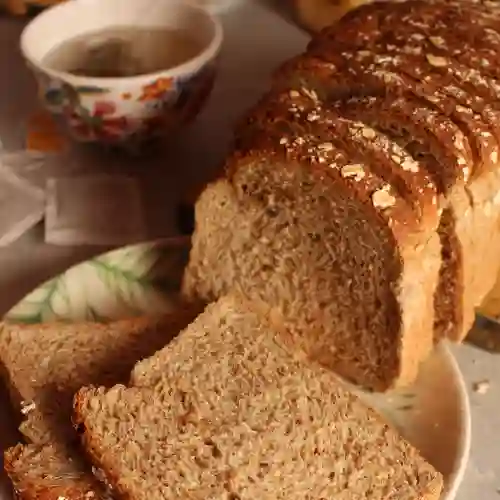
(403,116)
(389,112)
(410,49)
(234,415)
(276,258)
(45,365)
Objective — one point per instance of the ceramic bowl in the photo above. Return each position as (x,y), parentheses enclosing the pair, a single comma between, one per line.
(122,110)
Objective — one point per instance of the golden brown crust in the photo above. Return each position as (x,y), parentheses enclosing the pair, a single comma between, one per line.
(360,143)
(27,489)
(106,475)
(305,142)
(359,74)
(398,72)
(414,39)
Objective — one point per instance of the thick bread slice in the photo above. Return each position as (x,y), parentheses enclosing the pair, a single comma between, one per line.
(45,365)
(317,247)
(234,415)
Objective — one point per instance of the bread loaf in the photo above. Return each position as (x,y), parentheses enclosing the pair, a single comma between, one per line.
(233,414)
(44,366)
(362,195)
(411,50)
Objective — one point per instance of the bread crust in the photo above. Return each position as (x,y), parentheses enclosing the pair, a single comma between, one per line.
(26,489)
(356,140)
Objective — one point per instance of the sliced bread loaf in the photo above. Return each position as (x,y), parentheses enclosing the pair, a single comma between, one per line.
(413,127)
(234,415)
(395,71)
(330,242)
(411,49)
(44,366)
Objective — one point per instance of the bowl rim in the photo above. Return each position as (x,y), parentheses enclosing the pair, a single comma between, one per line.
(188,67)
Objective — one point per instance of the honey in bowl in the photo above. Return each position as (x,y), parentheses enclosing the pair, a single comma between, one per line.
(123,52)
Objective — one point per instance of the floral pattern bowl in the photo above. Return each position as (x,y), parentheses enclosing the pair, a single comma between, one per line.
(122,110)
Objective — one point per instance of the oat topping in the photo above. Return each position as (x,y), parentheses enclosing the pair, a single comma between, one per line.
(494,157)
(294,94)
(382,198)
(364,53)
(437,41)
(466,172)
(412,50)
(311,94)
(463,109)
(368,133)
(417,36)
(313,116)
(410,165)
(326,146)
(27,407)
(437,61)
(354,170)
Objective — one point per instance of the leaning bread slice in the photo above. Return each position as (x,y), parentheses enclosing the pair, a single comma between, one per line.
(235,416)
(45,365)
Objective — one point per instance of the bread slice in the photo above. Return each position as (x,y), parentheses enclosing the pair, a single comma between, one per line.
(329,242)
(235,415)
(45,365)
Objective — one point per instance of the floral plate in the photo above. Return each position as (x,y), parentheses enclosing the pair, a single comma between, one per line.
(434,414)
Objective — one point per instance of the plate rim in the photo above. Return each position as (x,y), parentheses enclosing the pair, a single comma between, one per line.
(455,478)
(465,435)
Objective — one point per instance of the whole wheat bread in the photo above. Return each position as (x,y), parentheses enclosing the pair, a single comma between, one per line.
(44,366)
(412,50)
(365,252)
(234,415)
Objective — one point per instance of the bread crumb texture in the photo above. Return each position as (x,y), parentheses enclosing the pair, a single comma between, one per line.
(234,416)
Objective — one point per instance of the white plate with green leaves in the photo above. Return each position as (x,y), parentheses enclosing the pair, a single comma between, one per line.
(434,415)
